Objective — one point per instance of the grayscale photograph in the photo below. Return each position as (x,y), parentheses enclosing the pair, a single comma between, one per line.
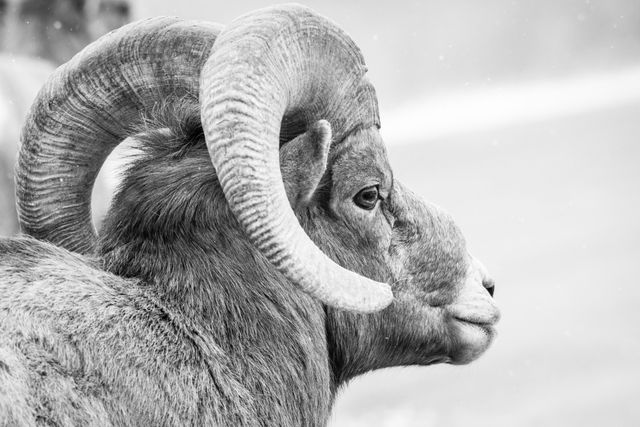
(322,213)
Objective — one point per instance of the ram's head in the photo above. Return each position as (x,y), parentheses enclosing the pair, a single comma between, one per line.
(291,127)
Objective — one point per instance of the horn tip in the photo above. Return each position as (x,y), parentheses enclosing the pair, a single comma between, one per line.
(373,296)
(381,297)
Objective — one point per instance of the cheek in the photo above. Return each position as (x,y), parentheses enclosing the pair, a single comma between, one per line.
(379,234)
(421,278)
(357,248)
(432,268)
(368,229)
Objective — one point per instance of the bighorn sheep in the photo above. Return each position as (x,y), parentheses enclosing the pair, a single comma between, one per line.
(35,36)
(205,300)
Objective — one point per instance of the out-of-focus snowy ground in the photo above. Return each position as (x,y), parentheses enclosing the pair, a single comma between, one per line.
(552,207)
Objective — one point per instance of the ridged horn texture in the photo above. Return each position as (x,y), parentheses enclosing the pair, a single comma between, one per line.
(90,105)
(285,61)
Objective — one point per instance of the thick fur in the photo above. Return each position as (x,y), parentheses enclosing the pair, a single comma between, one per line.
(179,320)
(80,346)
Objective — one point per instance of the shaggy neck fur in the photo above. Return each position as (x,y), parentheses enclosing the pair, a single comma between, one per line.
(171,228)
(272,337)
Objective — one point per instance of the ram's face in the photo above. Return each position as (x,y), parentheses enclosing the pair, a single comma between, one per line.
(443,308)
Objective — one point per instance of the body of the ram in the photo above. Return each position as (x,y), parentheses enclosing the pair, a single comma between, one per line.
(80,346)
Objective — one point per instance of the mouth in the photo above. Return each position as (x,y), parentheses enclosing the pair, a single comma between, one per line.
(482,322)
(485,315)
(484,326)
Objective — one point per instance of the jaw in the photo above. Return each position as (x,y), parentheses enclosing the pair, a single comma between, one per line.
(458,342)
(471,340)
(442,334)
(472,327)
(430,335)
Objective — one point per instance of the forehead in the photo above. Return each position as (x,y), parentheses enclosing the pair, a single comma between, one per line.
(361,159)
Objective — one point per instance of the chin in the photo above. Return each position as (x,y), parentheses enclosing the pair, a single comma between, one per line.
(471,341)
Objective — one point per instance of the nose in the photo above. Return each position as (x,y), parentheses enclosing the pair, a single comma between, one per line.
(487,281)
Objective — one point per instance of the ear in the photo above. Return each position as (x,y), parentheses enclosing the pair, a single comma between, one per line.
(303,161)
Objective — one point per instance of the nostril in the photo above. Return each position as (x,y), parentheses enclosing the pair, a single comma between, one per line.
(489,285)
(487,281)
(490,289)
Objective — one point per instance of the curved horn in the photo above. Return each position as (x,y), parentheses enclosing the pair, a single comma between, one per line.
(269,64)
(255,75)
(91,104)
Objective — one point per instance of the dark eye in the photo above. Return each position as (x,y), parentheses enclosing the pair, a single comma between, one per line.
(367,197)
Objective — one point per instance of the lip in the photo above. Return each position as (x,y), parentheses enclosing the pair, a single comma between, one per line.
(482,313)
(485,328)
(489,322)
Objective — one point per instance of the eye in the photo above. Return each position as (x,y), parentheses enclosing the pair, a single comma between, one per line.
(367,198)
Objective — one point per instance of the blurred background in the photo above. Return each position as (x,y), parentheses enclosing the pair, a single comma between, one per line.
(522,119)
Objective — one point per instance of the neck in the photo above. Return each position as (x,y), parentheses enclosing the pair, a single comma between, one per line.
(352,347)
(273,335)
